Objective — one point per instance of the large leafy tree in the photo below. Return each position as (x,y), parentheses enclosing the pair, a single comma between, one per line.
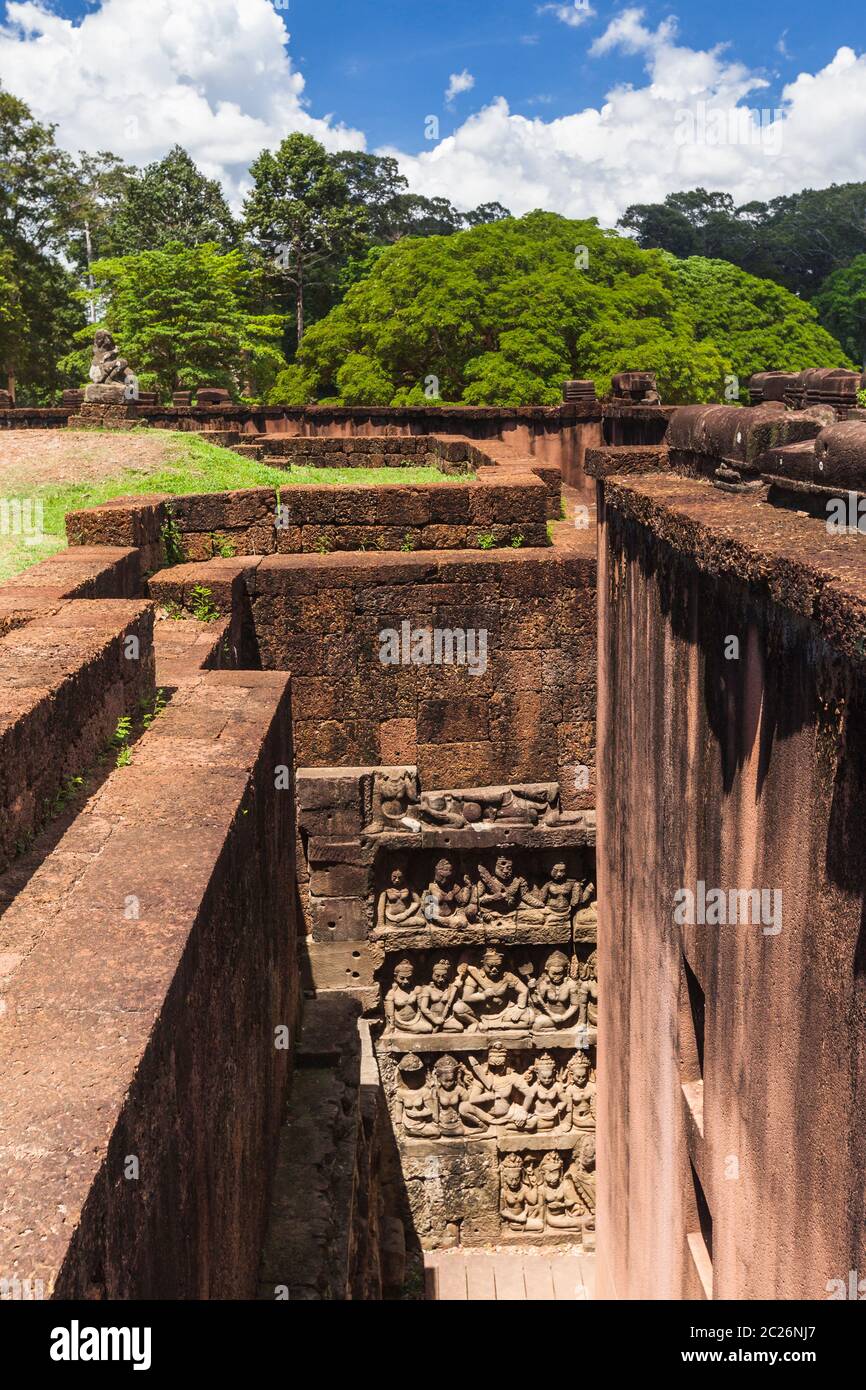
(37,183)
(842,306)
(171,200)
(300,214)
(182,315)
(759,325)
(501,314)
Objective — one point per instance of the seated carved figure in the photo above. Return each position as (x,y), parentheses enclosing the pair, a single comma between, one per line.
(495,998)
(556,1196)
(580,1189)
(556,995)
(448,1092)
(413,1109)
(399,905)
(588,1012)
(500,1098)
(549,1099)
(560,895)
(502,892)
(581,1092)
(402,1012)
(391,795)
(446,904)
(440,1003)
(107,367)
(518,1199)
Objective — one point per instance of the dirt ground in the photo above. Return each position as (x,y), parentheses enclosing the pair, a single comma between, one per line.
(75,456)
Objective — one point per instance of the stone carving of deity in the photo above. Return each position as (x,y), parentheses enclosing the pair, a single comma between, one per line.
(556,1196)
(502,892)
(391,796)
(580,1189)
(549,1099)
(399,905)
(448,1092)
(107,367)
(402,1011)
(557,997)
(581,1092)
(413,1106)
(518,1198)
(499,1097)
(497,999)
(440,1002)
(562,895)
(589,992)
(446,903)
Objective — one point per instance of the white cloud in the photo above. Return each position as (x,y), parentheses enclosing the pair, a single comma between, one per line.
(637,145)
(211,75)
(216,77)
(458,82)
(573,14)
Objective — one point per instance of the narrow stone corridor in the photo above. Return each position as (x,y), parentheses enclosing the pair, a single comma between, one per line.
(508,1276)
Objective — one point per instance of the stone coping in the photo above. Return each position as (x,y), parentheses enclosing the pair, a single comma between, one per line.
(537,1039)
(144,1035)
(788,556)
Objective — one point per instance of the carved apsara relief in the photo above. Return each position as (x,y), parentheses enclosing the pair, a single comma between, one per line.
(484,893)
(540,1194)
(491,991)
(485,1095)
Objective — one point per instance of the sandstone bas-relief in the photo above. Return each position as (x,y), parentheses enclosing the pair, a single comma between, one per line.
(539,1194)
(484,896)
(487,995)
(393,802)
(484,1095)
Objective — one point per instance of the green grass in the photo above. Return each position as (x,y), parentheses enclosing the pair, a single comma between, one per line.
(192,465)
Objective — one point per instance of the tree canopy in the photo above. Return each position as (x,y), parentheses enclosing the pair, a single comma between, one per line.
(183,318)
(842,306)
(502,313)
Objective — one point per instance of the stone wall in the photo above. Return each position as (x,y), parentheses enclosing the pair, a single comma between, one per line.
(732,1151)
(66,678)
(150,989)
(528,714)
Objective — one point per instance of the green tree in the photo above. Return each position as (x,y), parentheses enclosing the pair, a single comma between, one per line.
(503,313)
(182,316)
(841,305)
(171,201)
(797,240)
(300,213)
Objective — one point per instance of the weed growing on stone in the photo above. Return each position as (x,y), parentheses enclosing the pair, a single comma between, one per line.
(486,541)
(407,542)
(172,540)
(517,541)
(202,605)
(120,740)
(223,545)
(324,545)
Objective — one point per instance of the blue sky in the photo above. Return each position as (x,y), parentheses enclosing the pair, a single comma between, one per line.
(383,65)
(580,117)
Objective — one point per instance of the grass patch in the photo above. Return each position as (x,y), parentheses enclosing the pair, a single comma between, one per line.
(191,465)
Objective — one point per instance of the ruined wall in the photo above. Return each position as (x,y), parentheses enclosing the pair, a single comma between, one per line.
(145,970)
(528,715)
(732,1148)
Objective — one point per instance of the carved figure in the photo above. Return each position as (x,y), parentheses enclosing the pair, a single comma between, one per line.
(496,998)
(588,1013)
(502,892)
(499,1098)
(581,1092)
(413,1110)
(440,1003)
(555,1195)
(107,366)
(391,795)
(548,1100)
(580,1179)
(402,1011)
(446,904)
(562,895)
(518,1198)
(557,996)
(448,1092)
(399,905)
